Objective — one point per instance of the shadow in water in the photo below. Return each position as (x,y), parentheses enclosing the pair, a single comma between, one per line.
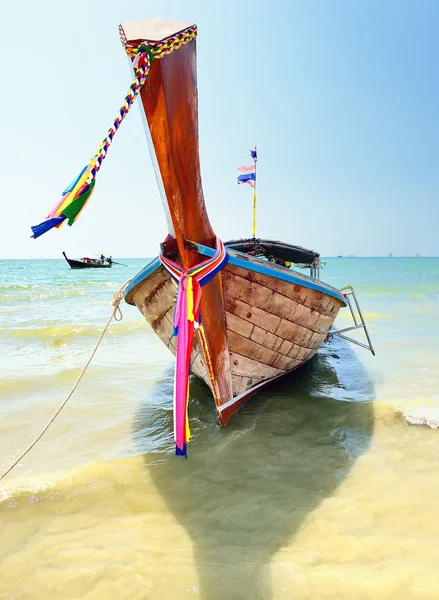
(246,489)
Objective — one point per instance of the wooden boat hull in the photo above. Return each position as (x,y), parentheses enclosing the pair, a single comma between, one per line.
(276,320)
(80,264)
(259,321)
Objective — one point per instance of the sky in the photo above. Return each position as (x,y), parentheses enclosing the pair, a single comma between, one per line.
(340,97)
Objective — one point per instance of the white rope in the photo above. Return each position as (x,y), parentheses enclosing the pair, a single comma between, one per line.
(117,316)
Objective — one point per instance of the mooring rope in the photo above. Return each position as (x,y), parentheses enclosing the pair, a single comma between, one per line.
(117,316)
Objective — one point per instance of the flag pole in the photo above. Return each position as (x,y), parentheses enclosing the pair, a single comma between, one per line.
(254,199)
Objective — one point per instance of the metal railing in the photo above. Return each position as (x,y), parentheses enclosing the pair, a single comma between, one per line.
(314,269)
(357,316)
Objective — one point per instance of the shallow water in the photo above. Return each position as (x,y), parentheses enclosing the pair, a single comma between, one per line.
(323,486)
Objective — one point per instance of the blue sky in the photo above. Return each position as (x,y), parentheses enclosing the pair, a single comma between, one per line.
(341,98)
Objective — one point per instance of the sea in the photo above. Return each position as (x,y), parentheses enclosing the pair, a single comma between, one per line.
(325,485)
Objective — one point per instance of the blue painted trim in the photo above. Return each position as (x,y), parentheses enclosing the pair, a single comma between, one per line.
(251,265)
(284,275)
(144,274)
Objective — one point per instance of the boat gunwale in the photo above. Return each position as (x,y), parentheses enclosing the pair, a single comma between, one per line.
(252,263)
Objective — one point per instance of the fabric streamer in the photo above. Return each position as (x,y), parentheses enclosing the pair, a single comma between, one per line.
(187,318)
(78,193)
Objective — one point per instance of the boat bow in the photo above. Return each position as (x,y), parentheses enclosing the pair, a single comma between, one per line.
(169,101)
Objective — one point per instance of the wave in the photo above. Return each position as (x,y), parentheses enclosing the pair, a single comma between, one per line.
(422,415)
(420,412)
(39,384)
(83,480)
(65,332)
(50,285)
(24,293)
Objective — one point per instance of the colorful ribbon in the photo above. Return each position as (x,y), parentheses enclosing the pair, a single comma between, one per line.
(187,317)
(77,194)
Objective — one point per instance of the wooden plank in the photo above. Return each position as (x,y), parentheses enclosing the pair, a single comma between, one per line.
(300,336)
(300,353)
(169,317)
(294,353)
(246,367)
(270,302)
(308,354)
(242,384)
(250,331)
(330,305)
(296,334)
(316,340)
(150,285)
(158,304)
(267,339)
(243,289)
(246,347)
(253,314)
(324,323)
(172,345)
(198,367)
(163,328)
(263,355)
(285,363)
(285,347)
(239,325)
(271,323)
(286,288)
(253,274)
(310,298)
(284,308)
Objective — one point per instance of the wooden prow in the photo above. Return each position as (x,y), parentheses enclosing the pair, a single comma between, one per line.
(169,100)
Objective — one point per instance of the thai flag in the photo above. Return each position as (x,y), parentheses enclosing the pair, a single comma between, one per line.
(248,175)
(254,154)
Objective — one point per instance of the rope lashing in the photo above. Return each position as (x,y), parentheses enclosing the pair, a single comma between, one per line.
(187,318)
(77,194)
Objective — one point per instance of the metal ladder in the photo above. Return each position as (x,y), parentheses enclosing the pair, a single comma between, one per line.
(357,316)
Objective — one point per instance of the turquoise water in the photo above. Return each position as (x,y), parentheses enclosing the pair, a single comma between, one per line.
(324,485)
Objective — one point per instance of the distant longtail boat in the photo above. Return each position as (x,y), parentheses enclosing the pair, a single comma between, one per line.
(88,263)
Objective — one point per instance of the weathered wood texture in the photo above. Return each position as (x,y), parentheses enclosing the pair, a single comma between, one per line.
(169,100)
(155,298)
(255,327)
(273,326)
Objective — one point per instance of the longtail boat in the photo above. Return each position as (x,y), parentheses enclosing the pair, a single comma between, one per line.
(235,313)
(260,320)
(87,263)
